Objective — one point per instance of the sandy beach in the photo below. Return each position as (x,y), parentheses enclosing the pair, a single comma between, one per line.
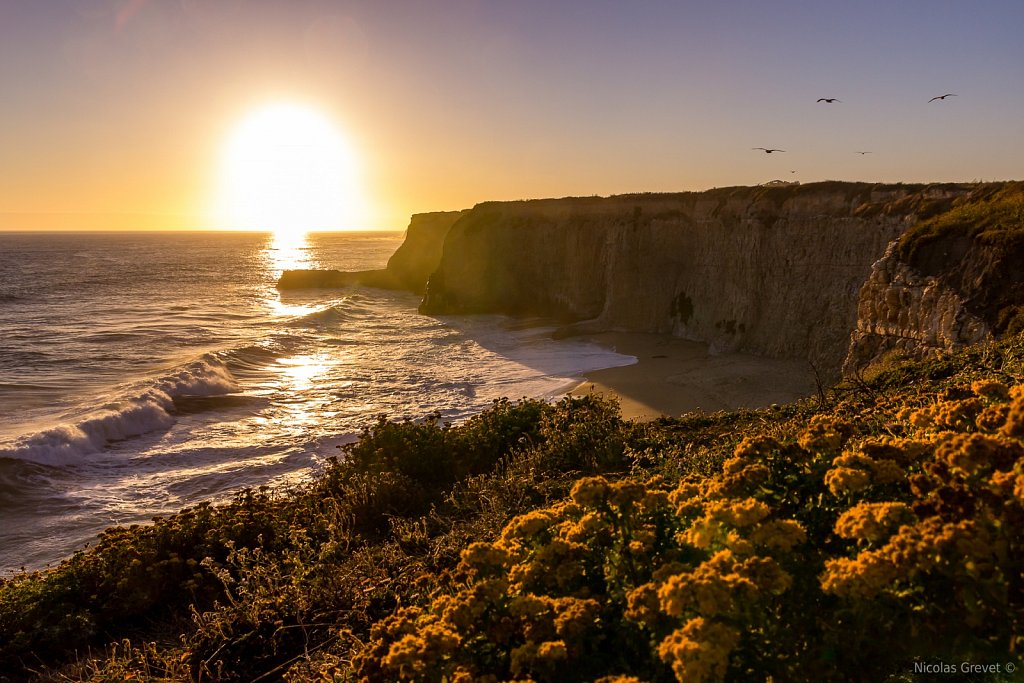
(673,376)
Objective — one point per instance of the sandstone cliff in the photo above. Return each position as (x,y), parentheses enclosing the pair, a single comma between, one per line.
(769,270)
(413,262)
(956,278)
(839,274)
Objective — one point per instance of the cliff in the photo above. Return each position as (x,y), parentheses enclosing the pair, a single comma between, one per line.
(408,268)
(768,270)
(413,262)
(954,279)
(840,274)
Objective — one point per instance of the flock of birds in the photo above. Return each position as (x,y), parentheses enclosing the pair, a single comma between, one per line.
(831,100)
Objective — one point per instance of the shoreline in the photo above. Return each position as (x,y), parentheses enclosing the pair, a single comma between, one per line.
(674,376)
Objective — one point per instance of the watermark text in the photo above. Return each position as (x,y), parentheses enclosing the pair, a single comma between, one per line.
(964,668)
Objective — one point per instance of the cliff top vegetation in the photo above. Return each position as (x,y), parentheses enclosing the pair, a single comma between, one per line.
(847,189)
(994,212)
(976,245)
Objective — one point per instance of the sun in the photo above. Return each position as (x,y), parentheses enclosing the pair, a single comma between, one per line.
(287,169)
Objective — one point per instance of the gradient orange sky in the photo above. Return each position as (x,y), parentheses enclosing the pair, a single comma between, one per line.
(114,111)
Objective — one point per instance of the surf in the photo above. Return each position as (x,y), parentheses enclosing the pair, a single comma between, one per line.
(138,410)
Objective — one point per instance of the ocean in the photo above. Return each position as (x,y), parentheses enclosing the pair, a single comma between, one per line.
(141,373)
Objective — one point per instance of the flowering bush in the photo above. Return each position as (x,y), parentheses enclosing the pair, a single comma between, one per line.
(789,563)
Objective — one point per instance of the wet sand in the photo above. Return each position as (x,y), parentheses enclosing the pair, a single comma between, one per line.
(673,376)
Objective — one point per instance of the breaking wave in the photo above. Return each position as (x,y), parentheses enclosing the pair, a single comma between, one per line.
(140,410)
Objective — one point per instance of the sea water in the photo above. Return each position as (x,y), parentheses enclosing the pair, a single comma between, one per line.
(144,372)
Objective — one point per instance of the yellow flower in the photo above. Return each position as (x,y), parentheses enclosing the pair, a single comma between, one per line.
(764,573)
(921,418)
(575,617)
(416,652)
(845,480)
(700,591)
(529,525)
(482,557)
(756,448)
(591,528)
(993,417)
(873,521)
(687,499)
(990,389)
(736,484)
(699,651)
(529,606)
(739,545)
(654,501)
(969,453)
(590,492)
(956,415)
(686,491)
(460,610)
(734,465)
(1014,425)
(710,589)
(887,472)
(780,534)
(861,577)
(853,459)
(643,540)
(738,513)
(823,434)
(642,604)
(626,493)
(489,590)
(701,534)
(523,657)
(1003,482)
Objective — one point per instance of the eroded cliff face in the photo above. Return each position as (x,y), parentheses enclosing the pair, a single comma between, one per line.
(770,270)
(902,311)
(955,278)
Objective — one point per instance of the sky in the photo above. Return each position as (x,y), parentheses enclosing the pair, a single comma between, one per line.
(115,113)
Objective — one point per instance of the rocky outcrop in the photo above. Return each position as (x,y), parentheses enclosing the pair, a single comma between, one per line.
(901,311)
(955,278)
(408,268)
(324,279)
(770,270)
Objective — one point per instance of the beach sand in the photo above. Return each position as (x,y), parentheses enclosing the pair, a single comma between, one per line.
(673,376)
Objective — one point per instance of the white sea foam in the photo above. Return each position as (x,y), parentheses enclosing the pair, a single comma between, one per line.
(139,410)
(206,377)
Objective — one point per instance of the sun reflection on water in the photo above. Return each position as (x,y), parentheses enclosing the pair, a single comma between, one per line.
(298,372)
(289,251)
(303,405)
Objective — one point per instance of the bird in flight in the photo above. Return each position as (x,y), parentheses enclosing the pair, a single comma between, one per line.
(830,100)
(862,152)
(768,151)
(942,97)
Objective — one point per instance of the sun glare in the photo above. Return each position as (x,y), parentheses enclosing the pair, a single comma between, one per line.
(285,168)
